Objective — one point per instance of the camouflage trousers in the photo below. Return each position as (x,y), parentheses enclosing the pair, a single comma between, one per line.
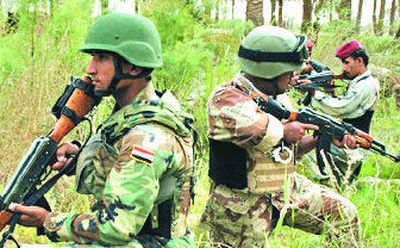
(146,241)
(238,219)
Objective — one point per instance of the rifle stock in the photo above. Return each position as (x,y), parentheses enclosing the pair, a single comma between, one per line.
(25,180)
(5,217)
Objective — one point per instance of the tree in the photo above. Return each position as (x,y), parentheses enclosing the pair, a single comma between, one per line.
(217,3)
(254,12)
(306,26)
(344,10)
(316,25)
(374,19)
(273,16)
(280,15)
(381,18)
(359,14)
(392,17)
(233,9)
(398,34)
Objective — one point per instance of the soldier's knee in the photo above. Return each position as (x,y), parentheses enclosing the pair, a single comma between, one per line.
(350,212)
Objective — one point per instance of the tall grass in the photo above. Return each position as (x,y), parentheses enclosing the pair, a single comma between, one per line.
(37,61)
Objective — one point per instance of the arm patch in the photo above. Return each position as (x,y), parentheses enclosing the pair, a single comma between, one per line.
(142,154)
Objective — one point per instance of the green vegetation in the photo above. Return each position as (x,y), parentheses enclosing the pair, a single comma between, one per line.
(37,61)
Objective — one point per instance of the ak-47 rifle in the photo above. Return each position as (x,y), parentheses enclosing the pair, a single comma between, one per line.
(318,67)
(27,185)
(318,80)
(328,128)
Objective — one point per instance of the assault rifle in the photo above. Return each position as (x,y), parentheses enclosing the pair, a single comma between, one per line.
(318,80)
(328,128)
(28,184)
(318,67)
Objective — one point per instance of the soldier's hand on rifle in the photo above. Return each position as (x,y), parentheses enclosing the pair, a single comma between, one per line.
(349,141)
(65,153)
(294,131)
(31,215)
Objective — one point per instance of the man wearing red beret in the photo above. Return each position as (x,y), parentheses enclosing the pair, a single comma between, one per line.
(356,106)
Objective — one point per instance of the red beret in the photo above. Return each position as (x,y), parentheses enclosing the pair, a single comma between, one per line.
(344,51)
(310,45)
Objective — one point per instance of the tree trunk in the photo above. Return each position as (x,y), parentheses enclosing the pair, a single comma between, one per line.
(104,6)
(381,17)
(217,2)
(359,14)
(307,17)
(318,7)
(344,10)
(280,14)
(392,17)
(398,34)
(374,24)
(273,16)
(233,9)
(316,25)
(254,12)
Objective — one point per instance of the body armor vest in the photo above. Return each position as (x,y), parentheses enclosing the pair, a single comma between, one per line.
(120,123)
(252,171)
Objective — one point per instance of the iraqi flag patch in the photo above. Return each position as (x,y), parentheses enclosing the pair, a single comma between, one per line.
(142,154)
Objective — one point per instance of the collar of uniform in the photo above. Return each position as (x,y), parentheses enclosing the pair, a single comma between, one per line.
(362,76)
(245,85)
(146,93)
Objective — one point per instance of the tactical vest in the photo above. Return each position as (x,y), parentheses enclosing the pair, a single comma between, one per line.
(159,111)
(363,122)
(252,170)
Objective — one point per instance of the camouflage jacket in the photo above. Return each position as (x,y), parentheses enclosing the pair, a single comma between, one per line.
(142,155)
(234,117)
(362,94)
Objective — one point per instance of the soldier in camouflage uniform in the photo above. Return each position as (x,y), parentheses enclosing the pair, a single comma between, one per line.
(251,166)
(138,165)
(356,106)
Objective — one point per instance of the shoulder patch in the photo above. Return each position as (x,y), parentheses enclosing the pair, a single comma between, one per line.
(142,154)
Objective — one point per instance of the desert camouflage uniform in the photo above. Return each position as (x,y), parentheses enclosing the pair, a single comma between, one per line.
(142,156)
(361,96)
(245,217)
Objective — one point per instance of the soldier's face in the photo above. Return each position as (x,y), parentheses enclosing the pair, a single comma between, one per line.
(283,82)
(351,67)
(101,69)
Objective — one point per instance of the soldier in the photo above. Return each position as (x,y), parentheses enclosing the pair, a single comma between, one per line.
(312,65)
(356,106)
(251,166)
(138,165)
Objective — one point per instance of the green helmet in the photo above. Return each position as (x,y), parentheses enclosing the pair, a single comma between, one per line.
(134,38)
(268,52)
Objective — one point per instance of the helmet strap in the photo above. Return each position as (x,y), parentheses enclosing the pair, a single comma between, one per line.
(118,76)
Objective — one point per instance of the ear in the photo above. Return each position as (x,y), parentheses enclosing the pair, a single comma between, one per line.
(359,60)
(131,69)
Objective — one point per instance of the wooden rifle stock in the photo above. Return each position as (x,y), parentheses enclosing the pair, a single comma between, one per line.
(81,103)
(5,217)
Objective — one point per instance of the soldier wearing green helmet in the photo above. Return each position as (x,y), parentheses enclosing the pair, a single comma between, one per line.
(251,154)
(138,165)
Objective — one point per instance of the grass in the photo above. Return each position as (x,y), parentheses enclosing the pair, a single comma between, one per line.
(198,55)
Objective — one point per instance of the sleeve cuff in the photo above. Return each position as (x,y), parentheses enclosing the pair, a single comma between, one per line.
(58,226)
(273,134)
(319,95)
